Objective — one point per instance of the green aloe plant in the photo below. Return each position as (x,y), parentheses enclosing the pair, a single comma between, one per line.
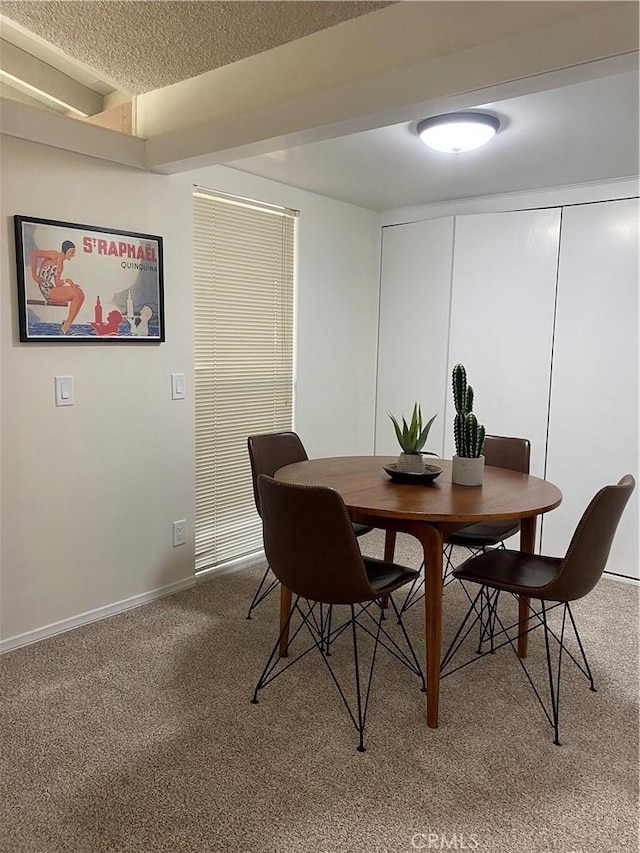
(412,437)
(467,432)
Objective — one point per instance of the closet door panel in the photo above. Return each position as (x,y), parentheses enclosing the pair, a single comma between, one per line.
(413,327)
(502,310)
(593,427)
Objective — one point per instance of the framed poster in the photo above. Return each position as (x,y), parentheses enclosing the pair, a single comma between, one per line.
(85,283)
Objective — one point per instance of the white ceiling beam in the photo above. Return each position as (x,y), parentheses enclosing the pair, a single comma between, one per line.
(504,67)
(398,37)
(45,83)
(70,134)
(596,45)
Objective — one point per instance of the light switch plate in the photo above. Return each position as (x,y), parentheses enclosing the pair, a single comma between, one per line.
(177,386)
(64,391)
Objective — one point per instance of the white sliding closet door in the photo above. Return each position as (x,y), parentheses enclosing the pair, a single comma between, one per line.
(593,428)
(413,327)
(504,283)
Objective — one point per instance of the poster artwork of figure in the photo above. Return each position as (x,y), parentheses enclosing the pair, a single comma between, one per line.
(100,284)
(46,271)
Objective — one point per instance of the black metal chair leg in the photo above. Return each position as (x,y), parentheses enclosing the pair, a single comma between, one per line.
(260,595)
(413,596)
(582,652)
(488,607)
(555,694)
(410,646)
(328,630)
(361,707)
(459,637)
(260,682)
(360,723)
(554,689)
(319,629)
(447,575)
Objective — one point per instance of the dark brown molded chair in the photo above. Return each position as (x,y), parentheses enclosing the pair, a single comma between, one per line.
(501,452)
(269,452)
(312,549)
(545,579)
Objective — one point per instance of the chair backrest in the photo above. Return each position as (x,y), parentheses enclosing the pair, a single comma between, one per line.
(270,451)
(588,551)
(504,452)
(310,544)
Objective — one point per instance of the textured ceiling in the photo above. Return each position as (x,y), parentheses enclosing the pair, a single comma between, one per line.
(141,46)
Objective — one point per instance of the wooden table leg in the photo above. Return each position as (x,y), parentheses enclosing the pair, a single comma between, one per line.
(527,546)
(389,551)
(431,540)
(285,608)
(389,545)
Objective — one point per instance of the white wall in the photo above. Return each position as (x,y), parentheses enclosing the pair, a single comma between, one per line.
(89,492)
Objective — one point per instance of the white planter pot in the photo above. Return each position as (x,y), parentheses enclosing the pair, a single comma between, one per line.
(466,471)
(411,463)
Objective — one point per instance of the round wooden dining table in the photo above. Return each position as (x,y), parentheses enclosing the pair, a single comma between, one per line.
(430,513)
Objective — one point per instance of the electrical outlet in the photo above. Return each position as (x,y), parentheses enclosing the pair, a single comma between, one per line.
(179,532)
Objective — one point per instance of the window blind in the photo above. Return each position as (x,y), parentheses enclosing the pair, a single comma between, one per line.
(244,262)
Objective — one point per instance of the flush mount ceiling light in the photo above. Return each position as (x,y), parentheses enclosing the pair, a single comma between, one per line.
(457,132)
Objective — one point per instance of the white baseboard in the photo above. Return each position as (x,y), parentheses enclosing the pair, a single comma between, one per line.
(233,566)
(621,578)
(92,616)
(144,598)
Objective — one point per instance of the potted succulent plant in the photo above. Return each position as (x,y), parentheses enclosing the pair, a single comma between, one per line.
(412,438)
(468,463)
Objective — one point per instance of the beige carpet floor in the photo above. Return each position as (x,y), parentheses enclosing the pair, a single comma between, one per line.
(136,734)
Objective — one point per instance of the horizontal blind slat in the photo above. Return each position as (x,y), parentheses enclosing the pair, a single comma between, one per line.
(244,261)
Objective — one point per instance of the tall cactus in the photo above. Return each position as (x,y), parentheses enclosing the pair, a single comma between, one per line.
(467,432)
